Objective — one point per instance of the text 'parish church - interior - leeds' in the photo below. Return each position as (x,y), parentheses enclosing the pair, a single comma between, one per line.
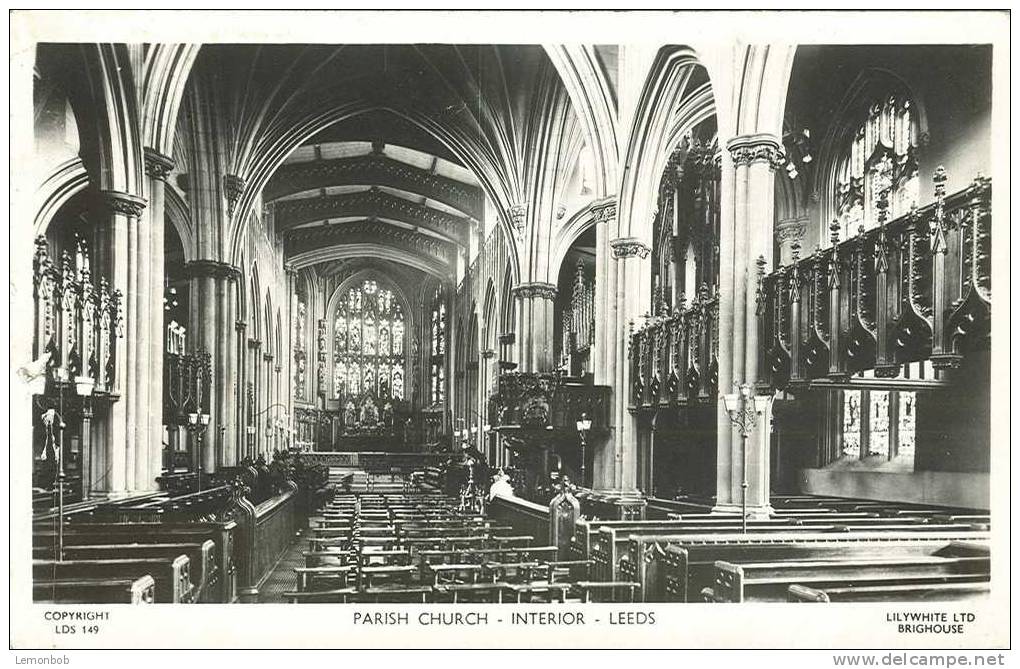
(508,323)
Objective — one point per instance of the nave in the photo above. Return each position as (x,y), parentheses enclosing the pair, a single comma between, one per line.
(394,539)
(507,323)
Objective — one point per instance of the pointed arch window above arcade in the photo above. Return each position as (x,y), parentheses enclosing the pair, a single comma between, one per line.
(880,153)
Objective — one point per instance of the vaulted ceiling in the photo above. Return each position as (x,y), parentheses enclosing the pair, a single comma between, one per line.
(397,145)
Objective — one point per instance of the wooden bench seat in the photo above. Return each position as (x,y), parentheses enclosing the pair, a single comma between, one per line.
(470,592)
(371,556)
(514,572)
(222,533)
(334,596)
(306,575)
(205,572)
(677,570)
(402,574)
(611,545)
(452,572)
(607,590)
(172,575)
(393,594)
(83,590)
(328,557)
(903,592)
(769,581)
(548,591)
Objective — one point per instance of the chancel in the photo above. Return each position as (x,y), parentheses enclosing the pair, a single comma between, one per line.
(445,323)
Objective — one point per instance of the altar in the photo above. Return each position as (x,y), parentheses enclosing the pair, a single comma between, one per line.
(367,423)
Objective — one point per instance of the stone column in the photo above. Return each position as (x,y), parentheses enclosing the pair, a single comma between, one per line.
(603,215)
(123,259)
(535,301)
(631,260)
(214,297)
(750,235)
(158,168)
(241,440)
(232,382)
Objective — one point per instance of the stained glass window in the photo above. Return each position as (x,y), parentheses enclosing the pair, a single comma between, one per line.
(878,437)
(300,348)
(907,424)
(368,346)
(852,423)
(884,421)
(438,348)
(881,156)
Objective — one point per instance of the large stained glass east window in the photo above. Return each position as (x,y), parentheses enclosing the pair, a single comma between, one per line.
(368,344)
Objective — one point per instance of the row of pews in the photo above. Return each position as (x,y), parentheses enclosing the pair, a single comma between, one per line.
(134,562)
(174,546)
(812,549)
(420,547)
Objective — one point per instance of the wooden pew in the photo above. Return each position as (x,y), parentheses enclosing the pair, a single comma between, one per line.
(678,569)
(307,575)
(455,593)
(202,556)
(223,534)
(334,596)
(908,592)
(83,590)
(769,581)
(612,542)
(172,576)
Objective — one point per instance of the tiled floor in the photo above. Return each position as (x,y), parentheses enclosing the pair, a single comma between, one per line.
(282,578)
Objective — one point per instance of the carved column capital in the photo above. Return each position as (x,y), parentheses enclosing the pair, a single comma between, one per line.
(790,229)
(629,247)
(214,268)
(118,202)
(538,289)
(764,148)
(603,212)
(158,165)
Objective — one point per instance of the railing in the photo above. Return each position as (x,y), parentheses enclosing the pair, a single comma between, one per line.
(915,288)
(674,359)
(276,521)
(374,461)
(525,517)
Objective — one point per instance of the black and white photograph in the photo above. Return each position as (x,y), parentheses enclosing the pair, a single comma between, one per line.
(351,325)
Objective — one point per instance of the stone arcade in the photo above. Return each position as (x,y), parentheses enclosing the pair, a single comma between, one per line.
(712,322)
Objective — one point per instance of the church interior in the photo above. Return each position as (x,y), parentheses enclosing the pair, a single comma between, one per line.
(508,323)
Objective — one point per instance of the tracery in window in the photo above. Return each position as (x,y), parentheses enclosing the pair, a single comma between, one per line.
(300,346)
(437,374)
(368,344)
(881,156)
(881,422)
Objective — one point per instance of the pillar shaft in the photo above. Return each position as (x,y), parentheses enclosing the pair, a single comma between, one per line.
(536,301)
(748,193)
(123,258)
